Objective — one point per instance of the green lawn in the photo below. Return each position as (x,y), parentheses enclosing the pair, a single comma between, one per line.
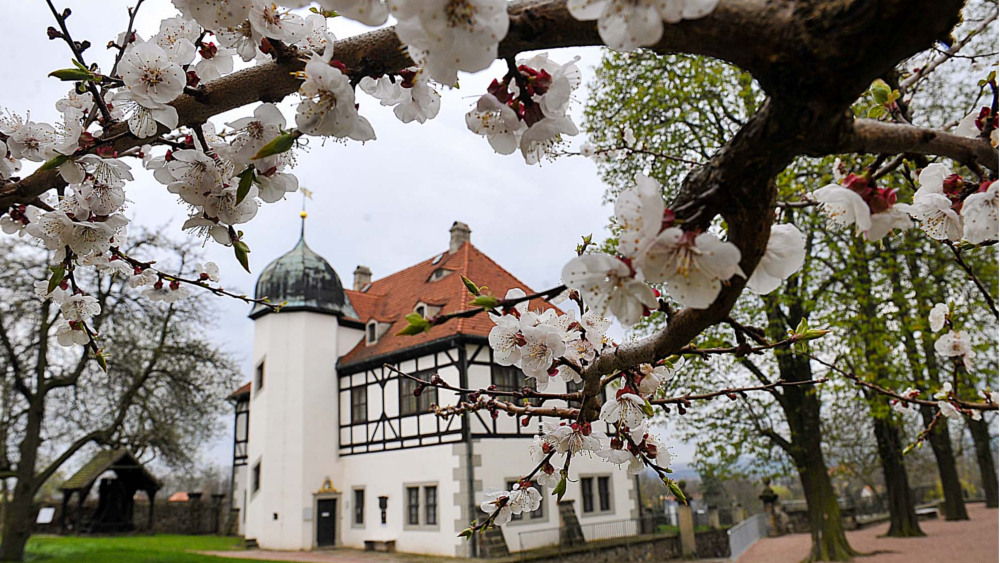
(130,549)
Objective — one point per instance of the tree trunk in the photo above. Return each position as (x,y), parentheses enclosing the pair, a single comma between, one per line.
(17,525)
(829,543)
(951,484)
(902,516)
(980,431)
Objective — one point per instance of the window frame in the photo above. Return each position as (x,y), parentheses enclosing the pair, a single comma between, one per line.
(411,405)
(359,508)
(371,333)
(259,372)
(256,478)
(361,391)
(496,370)
(597,502)
(421,507)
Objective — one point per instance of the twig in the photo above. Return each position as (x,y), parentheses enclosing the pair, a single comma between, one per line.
(731,393)
(920,74)
(78,54)
(975,279)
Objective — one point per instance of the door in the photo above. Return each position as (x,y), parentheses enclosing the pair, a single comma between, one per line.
(326,523)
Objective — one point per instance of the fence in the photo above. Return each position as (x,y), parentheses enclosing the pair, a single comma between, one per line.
(597,531)
(745,534)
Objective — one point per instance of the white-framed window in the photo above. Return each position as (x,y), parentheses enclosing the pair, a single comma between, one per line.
(371,333)
(255,478)
(596,494)
(258,376)
(421,310)
(358,516)
(421,506)
(439,274)
(359,404)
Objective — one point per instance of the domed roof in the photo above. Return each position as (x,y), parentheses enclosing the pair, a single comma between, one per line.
(305,281)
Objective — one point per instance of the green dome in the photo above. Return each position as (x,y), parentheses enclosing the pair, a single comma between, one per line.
(305,281)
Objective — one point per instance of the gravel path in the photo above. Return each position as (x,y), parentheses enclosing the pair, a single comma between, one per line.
(970,541)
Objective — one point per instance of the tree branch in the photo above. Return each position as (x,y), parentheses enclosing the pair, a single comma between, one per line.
(874,137)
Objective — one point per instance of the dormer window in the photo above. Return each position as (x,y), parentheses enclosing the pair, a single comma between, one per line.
(438,274)
(421,310)
(371,333)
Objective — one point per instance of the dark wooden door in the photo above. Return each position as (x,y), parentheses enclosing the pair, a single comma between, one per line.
(326,522)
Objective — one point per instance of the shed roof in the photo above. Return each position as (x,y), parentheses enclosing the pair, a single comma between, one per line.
(121,461)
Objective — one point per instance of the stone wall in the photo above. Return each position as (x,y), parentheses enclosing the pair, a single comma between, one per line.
(195,517)
(711,544)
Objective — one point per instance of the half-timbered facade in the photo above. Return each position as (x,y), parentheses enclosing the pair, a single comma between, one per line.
(339,451)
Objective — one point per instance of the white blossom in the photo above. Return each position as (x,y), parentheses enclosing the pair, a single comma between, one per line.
(625,25)
(573,438)
(608,285)
(937,217)
(163,292)
(215,14)
(240,38)
(626,408)
(694,266)
(639,214)
(143,117)
(177,37)
(274,22)
(150,75)
(446,36)
(785,254)
(255,132)
(209,271)
(948,410)
(954,344)
(328,107)
(71,334)
(937,316)
(80,307)
(844,206)
(980,214)
(497,122)
(543,344)
(8,164)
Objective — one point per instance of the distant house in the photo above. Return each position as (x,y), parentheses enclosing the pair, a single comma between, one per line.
(332,449)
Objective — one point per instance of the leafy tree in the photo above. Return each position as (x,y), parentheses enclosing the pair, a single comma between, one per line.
(162,393)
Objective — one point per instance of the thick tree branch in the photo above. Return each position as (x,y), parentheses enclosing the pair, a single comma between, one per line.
(870,136)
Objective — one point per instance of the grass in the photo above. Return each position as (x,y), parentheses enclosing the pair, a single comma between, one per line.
(130,549)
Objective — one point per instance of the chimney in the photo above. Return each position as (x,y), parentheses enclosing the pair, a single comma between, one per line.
(459,235)
(362,277)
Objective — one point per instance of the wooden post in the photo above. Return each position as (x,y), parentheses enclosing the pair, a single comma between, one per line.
(685,520)
(151,495)
(713,518)
(62,515)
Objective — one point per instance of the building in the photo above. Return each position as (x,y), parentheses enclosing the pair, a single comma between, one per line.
(333,449)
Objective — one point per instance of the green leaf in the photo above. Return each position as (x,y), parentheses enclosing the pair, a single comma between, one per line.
(485,301)
(473,288)
(72,74)
(58,273)
(647,408)
(79,65)
(803,326)
(813,334)
(675,490)
(241,249)
(278,145)
(466,533)
(54,163)
(247,178)
(101,360)
(560,489)
(880,91)
(417,325)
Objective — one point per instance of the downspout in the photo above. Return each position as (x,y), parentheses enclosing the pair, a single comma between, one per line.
(470,472)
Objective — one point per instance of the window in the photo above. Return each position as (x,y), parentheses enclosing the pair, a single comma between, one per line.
(413,404)
(371,333)
(259,376)
(256,477)
(604,493)
(438,274)
(421,310)
(421,517)
(413,506)
(511,378)
(359,404)
(537,514)
(430,505)
(359,507)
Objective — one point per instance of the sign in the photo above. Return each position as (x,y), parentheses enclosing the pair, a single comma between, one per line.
(46,515)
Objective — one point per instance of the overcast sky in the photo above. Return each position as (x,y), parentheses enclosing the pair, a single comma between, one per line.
(387,204)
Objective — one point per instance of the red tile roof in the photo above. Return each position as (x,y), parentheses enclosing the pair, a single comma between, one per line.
(391,298)
(244,390)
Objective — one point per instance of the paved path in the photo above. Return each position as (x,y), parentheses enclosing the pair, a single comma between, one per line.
(971,541)
(341,555)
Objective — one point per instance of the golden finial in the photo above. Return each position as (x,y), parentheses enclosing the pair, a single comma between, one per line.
(302,214)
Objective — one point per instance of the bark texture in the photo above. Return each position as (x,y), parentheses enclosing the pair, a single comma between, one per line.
(980,431)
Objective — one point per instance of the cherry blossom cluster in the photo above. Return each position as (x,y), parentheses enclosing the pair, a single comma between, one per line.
(527,108)
(692,265)
(947,207)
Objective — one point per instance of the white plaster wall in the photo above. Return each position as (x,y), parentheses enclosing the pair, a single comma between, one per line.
(292,425)
(386,473)
(240,497)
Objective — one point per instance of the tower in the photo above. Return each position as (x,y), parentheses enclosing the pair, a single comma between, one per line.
(293,401)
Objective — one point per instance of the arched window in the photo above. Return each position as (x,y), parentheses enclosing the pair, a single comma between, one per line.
(371,334)
(421,310)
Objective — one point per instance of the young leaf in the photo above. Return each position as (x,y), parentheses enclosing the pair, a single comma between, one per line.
(278,145)
(485,301)
(560,489)
(675,490)
(647,409)
(58,273)
(72,74)
(247,178)
(101,360)
(473,288)
(54,162)
(241,249)
(417,325)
